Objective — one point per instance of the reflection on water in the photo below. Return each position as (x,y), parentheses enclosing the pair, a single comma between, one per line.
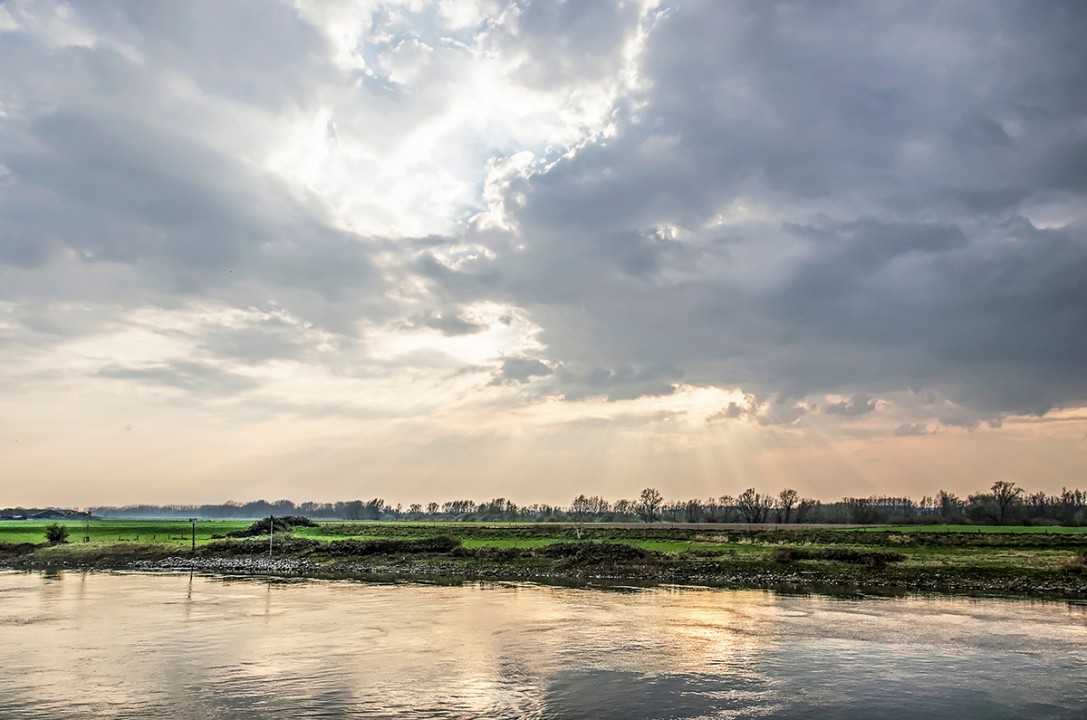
(179,646)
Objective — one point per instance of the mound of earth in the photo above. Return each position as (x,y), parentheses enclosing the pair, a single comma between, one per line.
(279,524)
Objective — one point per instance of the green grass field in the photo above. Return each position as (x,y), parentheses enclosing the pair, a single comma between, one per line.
(177,532)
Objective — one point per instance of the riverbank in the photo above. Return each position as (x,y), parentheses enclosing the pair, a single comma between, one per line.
(983,563)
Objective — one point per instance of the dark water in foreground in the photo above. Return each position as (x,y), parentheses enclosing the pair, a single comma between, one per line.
(174,646)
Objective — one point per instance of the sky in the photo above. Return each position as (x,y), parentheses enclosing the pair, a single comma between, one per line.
(326,250)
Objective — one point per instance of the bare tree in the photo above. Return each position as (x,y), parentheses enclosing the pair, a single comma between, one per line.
(787,498)
(949,506)
(579,510)
(754,507)
(1006,494)
(805,508)
(648,505)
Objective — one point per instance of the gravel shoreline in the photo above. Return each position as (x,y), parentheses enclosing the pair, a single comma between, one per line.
(250,564)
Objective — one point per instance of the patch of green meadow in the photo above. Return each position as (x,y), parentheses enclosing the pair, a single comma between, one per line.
(155,532)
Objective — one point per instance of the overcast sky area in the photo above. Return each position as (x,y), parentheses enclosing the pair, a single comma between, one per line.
(323,250)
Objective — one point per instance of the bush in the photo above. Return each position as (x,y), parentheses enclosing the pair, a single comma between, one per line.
(1077,564)
(870,558)
(597,553)
(439,544)
(281,524)
(56,534)
(784,555)
(10,549)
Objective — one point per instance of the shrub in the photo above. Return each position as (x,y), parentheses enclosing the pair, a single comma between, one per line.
(870,558)
(9,549)
(439,544)
(597,553)
(280,524)
(56,534)
(783,555)
(1078,564)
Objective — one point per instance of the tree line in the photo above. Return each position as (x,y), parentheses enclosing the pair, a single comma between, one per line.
(1005,503)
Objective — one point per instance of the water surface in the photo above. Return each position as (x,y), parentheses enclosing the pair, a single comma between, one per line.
(91,645)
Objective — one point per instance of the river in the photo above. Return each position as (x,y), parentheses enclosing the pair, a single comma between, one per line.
(111,645)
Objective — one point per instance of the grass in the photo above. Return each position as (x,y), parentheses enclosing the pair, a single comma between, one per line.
(160,532)
(996,559)
(976,529)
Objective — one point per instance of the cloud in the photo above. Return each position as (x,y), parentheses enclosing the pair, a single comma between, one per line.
(257,340)
(622,383)
(451,324)
(732,411)
(520,370)
(790,208)
(779,411)
(199,378)
(854,407)
(857,201)
(565,44)
(911,430)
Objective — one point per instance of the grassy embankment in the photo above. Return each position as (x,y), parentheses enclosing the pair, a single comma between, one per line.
(938,558)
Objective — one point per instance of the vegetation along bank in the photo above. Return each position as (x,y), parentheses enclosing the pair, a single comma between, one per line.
(964,559)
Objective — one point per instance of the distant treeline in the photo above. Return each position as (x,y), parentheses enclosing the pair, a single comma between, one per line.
(1005,503)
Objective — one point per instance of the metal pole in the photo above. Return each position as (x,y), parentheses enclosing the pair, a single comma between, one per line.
(271,531)
(194,536)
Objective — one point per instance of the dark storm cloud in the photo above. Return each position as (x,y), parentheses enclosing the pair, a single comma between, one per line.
(902,151)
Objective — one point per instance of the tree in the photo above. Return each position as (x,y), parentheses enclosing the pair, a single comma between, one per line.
(949,506)
(353,510)
(56,534)
(648,505)
(805,508)
(1006,494)
(372,509)
(694,511)
(786,500)
(579,510)
(754,507)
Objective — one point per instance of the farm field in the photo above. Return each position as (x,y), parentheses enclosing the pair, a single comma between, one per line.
(177,532)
